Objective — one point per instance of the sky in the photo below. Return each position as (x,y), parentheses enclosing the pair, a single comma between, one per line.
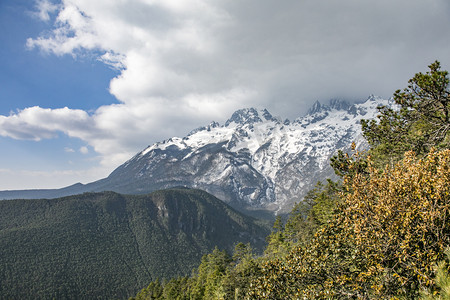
(85,85)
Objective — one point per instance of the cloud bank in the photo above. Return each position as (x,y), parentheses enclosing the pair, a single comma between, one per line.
(185,63)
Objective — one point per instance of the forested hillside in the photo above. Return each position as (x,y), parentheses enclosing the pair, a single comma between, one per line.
(107,245)
(381,232)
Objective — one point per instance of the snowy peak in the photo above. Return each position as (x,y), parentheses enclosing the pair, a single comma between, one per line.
(339,104)
(267,116)
(335,104)
(373,98)
(254,160)
(317,107)
(211,126)
(249,116)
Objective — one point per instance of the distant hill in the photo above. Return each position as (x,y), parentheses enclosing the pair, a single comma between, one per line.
(107,245)
(254,162)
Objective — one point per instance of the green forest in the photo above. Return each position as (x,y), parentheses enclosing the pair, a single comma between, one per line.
(107,245)
(381,232)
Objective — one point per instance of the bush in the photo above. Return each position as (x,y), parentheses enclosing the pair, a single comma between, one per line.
(390,227)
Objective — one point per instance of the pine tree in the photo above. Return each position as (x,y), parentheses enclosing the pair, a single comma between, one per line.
(442,282)
(420,121)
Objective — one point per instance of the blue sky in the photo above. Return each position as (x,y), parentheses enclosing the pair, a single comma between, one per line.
(29,77)
(84,85)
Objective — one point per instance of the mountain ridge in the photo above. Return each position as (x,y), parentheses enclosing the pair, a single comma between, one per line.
(253,162)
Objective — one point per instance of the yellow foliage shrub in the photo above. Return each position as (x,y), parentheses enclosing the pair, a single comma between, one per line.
(389,230)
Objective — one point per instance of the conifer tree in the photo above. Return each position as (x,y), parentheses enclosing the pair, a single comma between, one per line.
(420,121)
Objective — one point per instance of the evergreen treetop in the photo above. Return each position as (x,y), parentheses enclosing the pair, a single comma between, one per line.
(420,121)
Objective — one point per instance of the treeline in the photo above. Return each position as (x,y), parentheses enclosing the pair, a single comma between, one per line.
(382,232)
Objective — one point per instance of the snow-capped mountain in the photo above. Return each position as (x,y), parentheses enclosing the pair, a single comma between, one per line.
(254,161)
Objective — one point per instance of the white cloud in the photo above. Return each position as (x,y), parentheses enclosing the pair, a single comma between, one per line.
(84,150)
(302,50)
(44,9)
(185,63)
(36,123)
(69,150)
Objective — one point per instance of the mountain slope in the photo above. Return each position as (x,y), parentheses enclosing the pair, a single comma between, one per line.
(254,161)
(108,245)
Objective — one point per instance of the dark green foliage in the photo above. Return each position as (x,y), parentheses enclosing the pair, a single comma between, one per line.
(388,135)
(277,245)
(107,245)
(304,220)
(442,288)
(426,105)
(219,276)
(175,289)
(315,211)
(244,268)
(344,164)
(422,121)
(154,291)
(209,275)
